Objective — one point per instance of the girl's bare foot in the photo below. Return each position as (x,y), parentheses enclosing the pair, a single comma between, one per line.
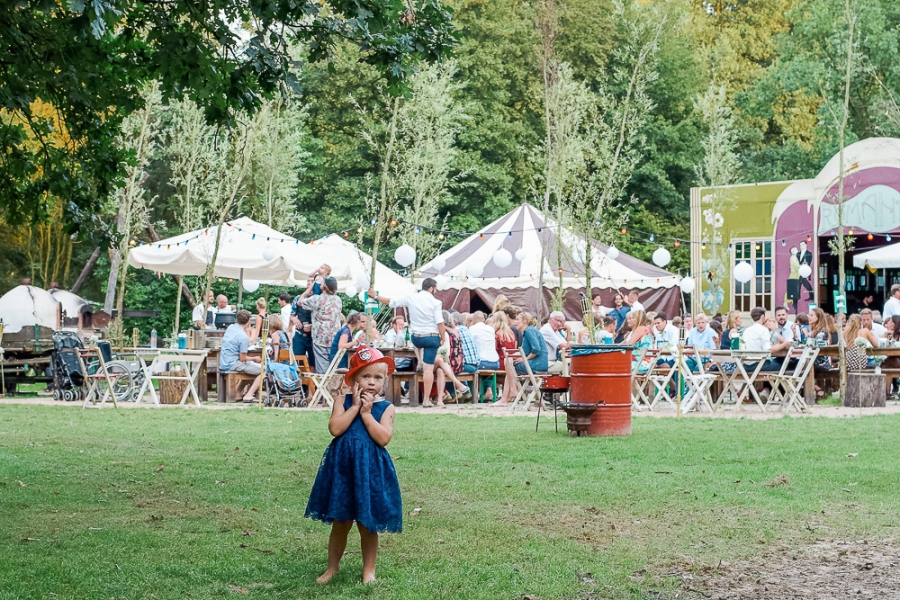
(369,577)
(326,576)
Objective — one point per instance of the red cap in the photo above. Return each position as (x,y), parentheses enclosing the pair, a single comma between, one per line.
(365,356)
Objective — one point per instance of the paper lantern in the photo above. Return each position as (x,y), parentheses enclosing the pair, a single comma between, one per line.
(405,255)
(471,283)
(661,257)
(351,290)
(442,282)
(250,285)
(687,285)
(362,281)
(439,263)
(473,270)
(612,253)
(502,258)
(805,271)
(743,272)
(521,255)
(269,253)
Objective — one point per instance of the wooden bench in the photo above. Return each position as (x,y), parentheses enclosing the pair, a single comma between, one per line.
(229,384)
(464,377)
(487,374)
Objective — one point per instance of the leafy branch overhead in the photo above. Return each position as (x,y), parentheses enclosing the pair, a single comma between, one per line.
(89,60)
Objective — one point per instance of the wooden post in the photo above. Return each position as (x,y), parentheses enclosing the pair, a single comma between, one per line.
(263,336)
(178,308)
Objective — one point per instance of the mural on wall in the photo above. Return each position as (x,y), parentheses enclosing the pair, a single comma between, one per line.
(716,258)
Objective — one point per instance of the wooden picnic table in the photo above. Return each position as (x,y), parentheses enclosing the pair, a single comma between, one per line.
(394,391)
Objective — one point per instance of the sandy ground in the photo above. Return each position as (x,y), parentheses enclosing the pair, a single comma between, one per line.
(825,570)
(487,410)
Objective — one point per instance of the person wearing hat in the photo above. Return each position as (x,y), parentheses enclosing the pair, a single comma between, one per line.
(356,480)
(326,319)
(426,324)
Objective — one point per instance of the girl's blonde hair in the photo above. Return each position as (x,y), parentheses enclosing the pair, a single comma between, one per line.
(854,323)
(731,320)
(501,327)
(275,323)
(640,319)
(261,303)
(529,319)
(500,303)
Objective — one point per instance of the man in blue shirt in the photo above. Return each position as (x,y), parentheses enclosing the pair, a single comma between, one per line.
(620,311)
(233,355)
(702,337)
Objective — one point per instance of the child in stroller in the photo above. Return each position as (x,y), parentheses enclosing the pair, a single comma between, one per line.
(282,382)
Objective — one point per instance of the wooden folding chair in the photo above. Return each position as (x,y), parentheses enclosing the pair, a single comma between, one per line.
(321,380)
(305,374)
(529,377)
(698,383)
(787,385)
(95,375)
(640,380)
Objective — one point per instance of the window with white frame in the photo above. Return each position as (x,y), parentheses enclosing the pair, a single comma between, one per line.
(757,291)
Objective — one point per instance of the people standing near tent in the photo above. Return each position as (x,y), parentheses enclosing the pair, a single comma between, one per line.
(426,325)
(633,301)
(197,314)
(233,356)
(326,319)
(555,339)
(620,311)
(301,320)
(284,302)
(222,305)
(892,306)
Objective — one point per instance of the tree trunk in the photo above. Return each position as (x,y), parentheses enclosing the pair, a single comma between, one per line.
(86,271)
(114,260)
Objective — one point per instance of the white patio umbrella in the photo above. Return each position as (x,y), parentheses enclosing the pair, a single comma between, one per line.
(343,254)
(886,257)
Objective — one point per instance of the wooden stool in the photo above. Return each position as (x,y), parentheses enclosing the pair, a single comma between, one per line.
(229,384)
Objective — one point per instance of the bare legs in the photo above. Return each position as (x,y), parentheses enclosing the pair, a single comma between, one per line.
(443,365)
(337,543)
(511,386)
(429,378)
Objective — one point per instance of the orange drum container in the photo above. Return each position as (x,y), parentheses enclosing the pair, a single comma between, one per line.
(602,373)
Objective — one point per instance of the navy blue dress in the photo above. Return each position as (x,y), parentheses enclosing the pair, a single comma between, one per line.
(357,480)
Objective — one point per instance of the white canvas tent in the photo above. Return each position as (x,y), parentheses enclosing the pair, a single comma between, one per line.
(247,250)
(523,232)
(339,251)
(886,257)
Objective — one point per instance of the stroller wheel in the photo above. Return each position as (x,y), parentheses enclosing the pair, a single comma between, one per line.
(56,395)
(302,403)
(67,395)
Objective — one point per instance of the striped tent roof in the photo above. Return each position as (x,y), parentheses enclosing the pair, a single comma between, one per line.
(525,228)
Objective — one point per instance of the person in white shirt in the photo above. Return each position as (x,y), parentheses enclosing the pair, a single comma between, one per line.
(197,314)
(396,334)
(551,331)
(633,302)
(665,333)
(892,306)
(284,300)
(485,339)
(426,326)
(758,338)
(868,321)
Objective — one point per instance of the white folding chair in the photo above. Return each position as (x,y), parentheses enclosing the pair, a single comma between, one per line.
(321,380)
(697,383)
(525,395)
(787,385)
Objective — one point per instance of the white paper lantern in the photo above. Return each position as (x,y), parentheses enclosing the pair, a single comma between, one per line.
(362,281)
(805,271)
(661,257)
(269,253)
(687,285)
(442,282)
(743,272)
(471,283)
(439,263)
(405,255)
(612,253)
(250,285)
(521,255)
(473,270)
(351,290)
(502,258)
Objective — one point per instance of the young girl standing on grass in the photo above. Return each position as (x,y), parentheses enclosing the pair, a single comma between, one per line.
(357,480)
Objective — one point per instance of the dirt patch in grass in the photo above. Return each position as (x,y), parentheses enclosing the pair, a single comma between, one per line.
(825,570)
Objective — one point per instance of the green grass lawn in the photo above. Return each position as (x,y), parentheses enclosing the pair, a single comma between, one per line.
(172,503)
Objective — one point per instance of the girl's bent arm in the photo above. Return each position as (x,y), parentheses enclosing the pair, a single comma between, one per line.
(381,432)
(341,419)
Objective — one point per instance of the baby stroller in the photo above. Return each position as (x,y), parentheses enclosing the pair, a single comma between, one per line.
(68,376)
(282,383)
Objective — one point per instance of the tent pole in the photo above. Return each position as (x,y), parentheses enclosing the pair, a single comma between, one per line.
(240,290)
(178,308)
(453,305)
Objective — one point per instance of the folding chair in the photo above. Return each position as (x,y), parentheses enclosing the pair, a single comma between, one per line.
(640,380)
(321,380)
(95,377)
(305,374)
(698,384)
(787,385)
(527,396)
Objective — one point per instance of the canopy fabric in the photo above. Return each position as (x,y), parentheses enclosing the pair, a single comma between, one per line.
(340,252)
(241,248)
(526,229)
(886,257)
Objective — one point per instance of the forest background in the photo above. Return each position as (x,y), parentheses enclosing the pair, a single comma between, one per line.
(778,60)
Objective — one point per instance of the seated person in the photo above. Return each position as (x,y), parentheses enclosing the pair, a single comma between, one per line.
(604,331)
(197,315)
(555,333)
(535,351)
(345,338)
(396,335)
(233,356)
(278,340)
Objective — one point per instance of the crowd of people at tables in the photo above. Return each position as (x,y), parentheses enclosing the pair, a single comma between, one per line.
(312,324)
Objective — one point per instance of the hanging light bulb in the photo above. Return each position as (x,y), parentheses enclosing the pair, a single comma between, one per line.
(359,230)
(851,231)
(652,238)
(870,237)
(393,224)
(481,237)
(440,236)
(346,234)
(624,231)
(887,238)
(677,243)
(783,243)
(808,239)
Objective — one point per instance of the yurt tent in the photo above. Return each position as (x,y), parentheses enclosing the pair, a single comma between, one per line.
(471,278)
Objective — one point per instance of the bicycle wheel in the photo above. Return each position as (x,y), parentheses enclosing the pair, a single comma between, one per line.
(122,386)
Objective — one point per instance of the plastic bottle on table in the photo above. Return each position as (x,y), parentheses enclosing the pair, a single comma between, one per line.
(153,338)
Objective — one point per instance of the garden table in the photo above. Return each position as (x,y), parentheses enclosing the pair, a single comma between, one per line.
(394,391)
(739,384)
(191,362)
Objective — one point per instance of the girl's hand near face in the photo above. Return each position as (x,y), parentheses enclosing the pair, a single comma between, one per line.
(368,400)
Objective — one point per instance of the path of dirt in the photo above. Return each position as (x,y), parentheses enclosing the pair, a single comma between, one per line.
(825,570)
